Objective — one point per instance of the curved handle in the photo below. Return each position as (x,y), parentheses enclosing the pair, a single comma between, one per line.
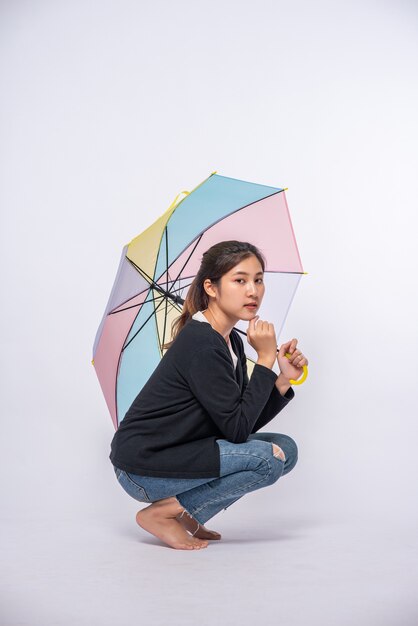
(176,201)
(301,380)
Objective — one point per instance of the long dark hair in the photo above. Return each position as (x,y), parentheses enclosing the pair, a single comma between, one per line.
(216,262)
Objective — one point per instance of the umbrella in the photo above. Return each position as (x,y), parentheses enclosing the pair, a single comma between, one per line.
(157,267)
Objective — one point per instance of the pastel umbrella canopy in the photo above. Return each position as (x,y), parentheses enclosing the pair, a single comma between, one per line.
(158,266)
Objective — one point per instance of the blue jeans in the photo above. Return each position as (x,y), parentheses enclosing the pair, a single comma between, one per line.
(244,467)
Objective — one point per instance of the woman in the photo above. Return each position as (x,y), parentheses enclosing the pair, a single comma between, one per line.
(188,444)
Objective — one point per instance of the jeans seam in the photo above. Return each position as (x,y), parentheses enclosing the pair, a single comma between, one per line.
(241,488)
(135,484)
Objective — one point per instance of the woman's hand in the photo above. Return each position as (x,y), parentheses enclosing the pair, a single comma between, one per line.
(263,339)
(292,367)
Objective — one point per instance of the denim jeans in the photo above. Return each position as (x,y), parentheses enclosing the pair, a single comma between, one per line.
(244,467)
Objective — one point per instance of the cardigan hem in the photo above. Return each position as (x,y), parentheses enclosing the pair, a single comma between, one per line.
(141,471)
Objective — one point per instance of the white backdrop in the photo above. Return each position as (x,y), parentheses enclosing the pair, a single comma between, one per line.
(108,110)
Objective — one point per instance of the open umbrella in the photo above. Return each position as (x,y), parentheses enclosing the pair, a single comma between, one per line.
(158,266)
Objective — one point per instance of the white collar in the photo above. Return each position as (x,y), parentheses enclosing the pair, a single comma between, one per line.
(200,317)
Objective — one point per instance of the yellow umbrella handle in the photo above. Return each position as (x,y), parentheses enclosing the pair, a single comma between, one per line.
(304,375)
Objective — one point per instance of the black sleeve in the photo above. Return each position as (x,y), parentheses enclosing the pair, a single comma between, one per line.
(212,381)
(274,404)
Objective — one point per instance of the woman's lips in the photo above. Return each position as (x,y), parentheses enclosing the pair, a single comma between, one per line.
(251,306)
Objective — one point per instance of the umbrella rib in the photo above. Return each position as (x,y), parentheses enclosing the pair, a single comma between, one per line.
(132,306)
(122,350)
(151,281)
(266,272)
(167,292)
(153,284)
(145,275)
(166,287)
(139,329)
(186,262)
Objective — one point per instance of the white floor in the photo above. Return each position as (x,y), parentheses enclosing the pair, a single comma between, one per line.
(295,569)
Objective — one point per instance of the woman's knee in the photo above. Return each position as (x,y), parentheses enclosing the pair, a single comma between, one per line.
(284,442)
(290,449)
(264,462)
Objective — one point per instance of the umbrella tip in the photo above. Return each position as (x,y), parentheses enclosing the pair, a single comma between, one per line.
(92,361)
(215,172)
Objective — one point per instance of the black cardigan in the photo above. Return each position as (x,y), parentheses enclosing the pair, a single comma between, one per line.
(194,397)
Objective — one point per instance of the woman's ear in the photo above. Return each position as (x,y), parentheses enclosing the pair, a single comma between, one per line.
(208,287)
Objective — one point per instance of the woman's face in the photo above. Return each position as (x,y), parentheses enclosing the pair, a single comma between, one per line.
(243,284)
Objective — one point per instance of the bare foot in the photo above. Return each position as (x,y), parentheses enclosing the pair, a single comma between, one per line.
(159,519)
(189,523)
